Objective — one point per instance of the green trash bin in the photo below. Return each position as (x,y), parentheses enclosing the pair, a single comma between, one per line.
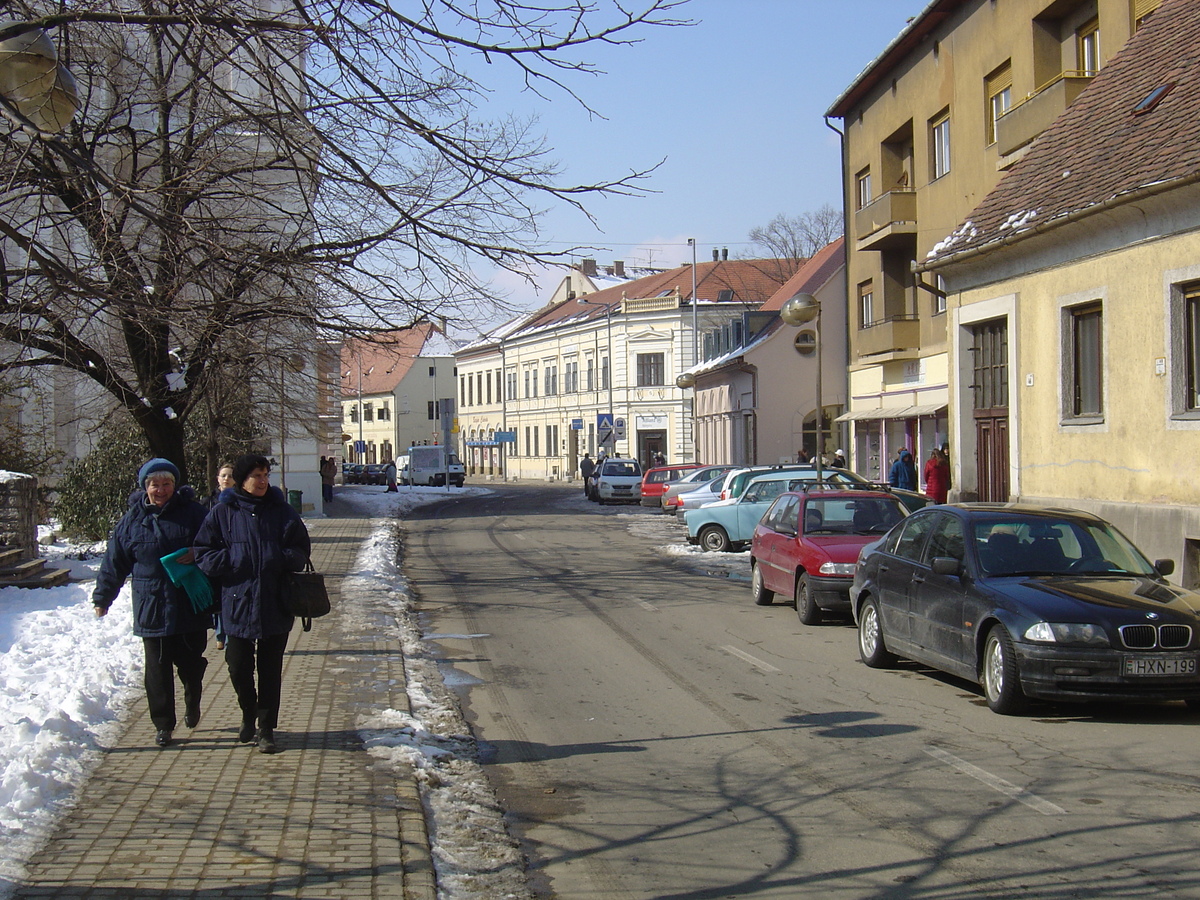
(294,500)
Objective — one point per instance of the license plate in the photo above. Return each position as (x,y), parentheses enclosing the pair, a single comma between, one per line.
(1159,665)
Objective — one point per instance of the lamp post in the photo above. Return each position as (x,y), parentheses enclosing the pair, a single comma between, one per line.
(611,366)
(801,310)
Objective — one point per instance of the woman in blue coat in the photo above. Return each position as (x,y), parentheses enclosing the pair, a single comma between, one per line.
(160,520)
(250,542)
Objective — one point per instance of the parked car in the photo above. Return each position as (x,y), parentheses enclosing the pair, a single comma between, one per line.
(617,480)
(373,474)
(656,480)
(353,474)
(728,524)
(1028,602)
(691,481)
(709,492)
(806,545)
(736,481)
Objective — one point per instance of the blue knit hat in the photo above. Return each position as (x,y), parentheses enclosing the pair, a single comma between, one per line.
(158,464)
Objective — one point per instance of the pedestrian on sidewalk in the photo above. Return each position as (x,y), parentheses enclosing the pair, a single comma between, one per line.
(328,477)
(248,544)
(161,519)
(389,475)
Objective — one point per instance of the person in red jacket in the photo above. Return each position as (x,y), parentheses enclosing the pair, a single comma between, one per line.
(937,476)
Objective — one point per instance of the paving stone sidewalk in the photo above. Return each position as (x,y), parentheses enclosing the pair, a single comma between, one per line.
(210,818)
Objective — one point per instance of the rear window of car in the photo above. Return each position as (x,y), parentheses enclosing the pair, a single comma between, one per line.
(618,469)
(658,477)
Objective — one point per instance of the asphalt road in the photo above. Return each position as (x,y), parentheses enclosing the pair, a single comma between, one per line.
(652,733)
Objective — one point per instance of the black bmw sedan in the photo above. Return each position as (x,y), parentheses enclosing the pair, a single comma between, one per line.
(1028,602)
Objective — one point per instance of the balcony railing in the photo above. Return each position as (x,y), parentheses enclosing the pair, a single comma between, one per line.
(887,222)
(1033,115)
(899,336)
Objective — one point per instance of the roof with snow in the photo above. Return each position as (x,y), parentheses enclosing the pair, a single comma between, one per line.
(1101,150)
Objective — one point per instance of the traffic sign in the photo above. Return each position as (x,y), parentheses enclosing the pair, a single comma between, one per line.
(577,424)
(604,428)
(619,429)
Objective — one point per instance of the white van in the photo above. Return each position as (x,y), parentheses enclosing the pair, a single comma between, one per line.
(432,466)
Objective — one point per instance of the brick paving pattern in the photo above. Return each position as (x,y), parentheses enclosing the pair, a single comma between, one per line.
(211,818)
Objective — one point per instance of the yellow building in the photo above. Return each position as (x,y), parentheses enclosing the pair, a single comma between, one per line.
(1074,291)
(930,126)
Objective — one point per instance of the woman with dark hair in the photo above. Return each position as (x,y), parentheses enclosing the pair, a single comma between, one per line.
(161,520)
(248,544)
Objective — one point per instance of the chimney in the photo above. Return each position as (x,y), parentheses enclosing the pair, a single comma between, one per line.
(724,254)
(588,268)
(619,268)
(716,255)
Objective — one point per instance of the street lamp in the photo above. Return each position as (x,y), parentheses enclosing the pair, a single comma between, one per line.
(801,310)
(608,308)
(38,89)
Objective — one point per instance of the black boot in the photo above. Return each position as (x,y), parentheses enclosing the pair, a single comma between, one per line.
(191,703)
(248,731)
(266,740)
(162,737)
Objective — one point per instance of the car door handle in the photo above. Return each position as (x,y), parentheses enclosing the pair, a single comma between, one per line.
(918,579)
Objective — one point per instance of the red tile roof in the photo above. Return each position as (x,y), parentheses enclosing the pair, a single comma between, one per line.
(1098,152)
(386,359)
(812,275)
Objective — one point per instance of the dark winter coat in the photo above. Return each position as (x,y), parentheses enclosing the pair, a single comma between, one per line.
(247,546)
(903,474)
(144,535)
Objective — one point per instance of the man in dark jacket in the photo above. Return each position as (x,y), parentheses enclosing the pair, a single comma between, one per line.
(160,520)
(903,473)
(248,544)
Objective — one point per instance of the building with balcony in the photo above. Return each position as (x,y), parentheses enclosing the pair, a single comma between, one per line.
(929,128)
(1074,304)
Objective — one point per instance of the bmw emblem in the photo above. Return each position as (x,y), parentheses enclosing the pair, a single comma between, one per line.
(1152,615)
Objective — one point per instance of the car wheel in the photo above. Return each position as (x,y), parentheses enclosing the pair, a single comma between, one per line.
(713,538)
(806,608)
(998,674)
(871,646)
(762,596)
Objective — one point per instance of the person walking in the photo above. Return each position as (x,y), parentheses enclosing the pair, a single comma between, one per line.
(586,468)
(937,476)
(328,477)
(224,480)
(903,473)
(248,544)
(160,520)
(389,475)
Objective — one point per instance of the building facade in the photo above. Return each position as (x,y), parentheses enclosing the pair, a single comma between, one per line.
(929,129)
(562,380)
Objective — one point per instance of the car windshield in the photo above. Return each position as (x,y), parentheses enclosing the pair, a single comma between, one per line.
(1048,546)
(850,515)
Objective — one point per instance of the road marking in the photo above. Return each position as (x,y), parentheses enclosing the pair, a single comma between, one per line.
(754,661)
(996,783)
(650,606)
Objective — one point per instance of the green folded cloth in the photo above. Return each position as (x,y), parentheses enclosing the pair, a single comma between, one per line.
(189,577)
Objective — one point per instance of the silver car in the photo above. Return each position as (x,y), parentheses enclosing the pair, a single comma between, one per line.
(708,492)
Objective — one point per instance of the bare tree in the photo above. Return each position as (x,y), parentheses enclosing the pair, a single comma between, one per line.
(798,237)
(272,169)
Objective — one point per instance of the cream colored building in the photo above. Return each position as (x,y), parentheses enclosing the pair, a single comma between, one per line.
(930,127)
(555,379)
(1088,256)
(390,388)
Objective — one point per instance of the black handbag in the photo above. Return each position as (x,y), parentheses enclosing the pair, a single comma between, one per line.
(308,599)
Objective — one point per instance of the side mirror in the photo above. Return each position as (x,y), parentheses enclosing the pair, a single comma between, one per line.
(1165,566)
(945,565)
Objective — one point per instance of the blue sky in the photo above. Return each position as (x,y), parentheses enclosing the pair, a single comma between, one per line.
(733,104)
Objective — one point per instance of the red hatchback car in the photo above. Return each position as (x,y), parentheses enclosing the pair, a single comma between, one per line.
(807,543)
(656,481)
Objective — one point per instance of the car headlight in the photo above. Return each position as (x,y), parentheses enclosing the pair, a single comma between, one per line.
(832,568)
(1067,633)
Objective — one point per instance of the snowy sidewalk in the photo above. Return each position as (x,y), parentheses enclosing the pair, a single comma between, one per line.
(209,817)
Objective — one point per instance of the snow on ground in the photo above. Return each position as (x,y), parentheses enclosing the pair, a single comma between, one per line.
(67,679)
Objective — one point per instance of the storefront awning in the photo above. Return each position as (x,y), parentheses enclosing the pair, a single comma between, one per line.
(892,412)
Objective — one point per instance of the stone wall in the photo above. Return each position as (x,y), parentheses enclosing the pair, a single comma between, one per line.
(18,512)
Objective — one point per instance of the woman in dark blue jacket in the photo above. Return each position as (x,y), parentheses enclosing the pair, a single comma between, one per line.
(160,520)
(250,542)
